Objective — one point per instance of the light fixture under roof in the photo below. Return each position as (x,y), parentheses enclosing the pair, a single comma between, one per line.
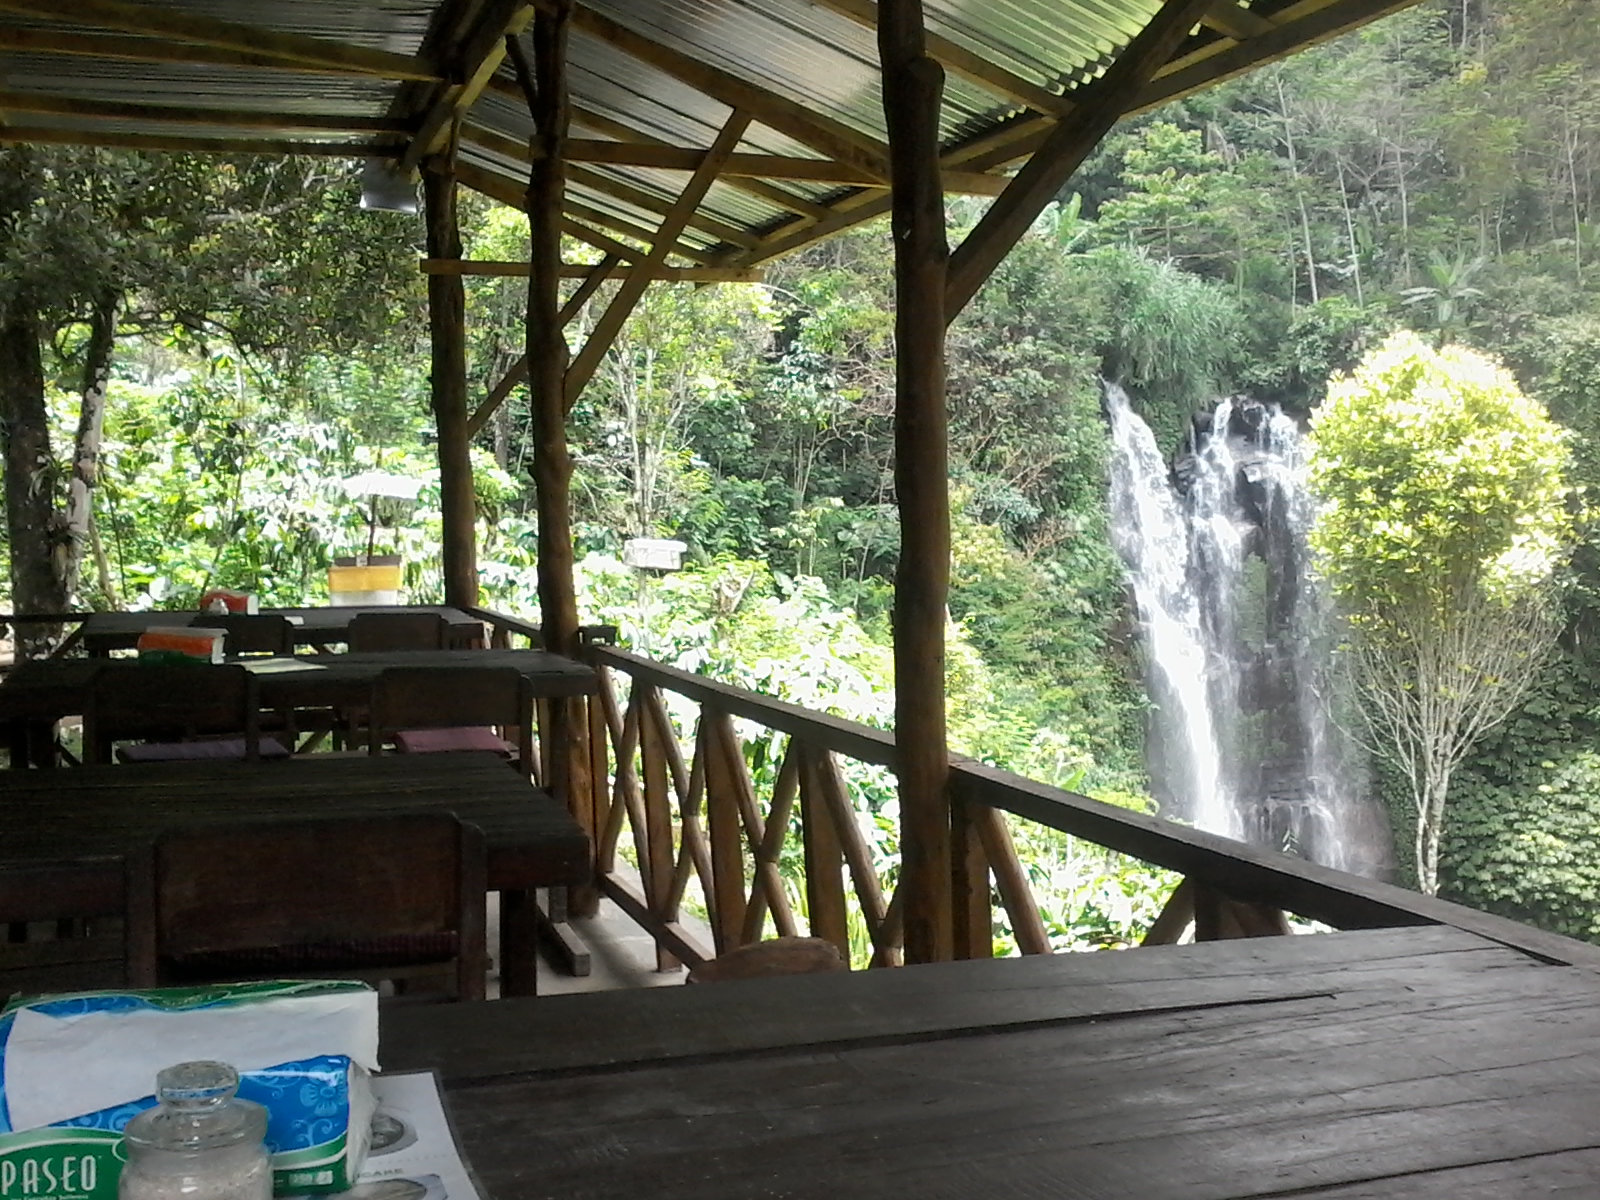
(385,186)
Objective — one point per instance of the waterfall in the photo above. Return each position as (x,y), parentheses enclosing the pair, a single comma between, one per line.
(1242,738)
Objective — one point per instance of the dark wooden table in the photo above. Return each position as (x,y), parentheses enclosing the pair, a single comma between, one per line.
(41,692)
(320,627)
(63,833)
(1412,1064)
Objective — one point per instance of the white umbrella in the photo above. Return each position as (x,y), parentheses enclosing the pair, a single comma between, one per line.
(375,484)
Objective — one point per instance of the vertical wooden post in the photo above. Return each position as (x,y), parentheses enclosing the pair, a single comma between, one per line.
(912,88)
(447,325)
(570,768)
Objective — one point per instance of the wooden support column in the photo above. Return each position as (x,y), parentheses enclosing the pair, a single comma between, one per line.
(447,325)
(913,85)
(570,777)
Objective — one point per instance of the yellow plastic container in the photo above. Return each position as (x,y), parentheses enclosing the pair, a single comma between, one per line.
(365,585)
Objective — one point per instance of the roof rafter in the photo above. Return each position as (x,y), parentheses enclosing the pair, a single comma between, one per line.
(71,106)
(116,46)
(822,133)
(963,62)
(155,21)
(501,268)
(43,135)
(479,59)
(639,276)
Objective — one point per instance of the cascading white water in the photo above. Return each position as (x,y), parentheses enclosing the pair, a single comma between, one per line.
(1242,739)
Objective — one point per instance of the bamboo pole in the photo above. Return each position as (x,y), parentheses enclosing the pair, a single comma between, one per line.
(912,88)
(447,326)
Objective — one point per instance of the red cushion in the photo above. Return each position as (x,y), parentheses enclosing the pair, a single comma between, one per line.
(443,741)
(225,749)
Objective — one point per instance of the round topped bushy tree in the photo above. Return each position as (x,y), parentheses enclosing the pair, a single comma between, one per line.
(1442,527)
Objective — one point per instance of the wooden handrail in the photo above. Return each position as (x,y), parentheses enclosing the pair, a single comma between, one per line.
(1239,871)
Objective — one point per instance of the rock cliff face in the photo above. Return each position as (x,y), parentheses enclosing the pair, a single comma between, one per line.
(1243,737)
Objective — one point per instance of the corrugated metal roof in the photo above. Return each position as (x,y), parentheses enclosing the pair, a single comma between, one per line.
(815,61)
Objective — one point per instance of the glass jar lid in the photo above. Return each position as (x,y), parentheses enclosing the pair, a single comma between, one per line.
(197,1109)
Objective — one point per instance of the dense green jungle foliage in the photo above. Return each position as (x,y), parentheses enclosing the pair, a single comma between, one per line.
(1436,171)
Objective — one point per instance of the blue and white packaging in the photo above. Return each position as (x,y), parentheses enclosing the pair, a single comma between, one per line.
(74,1069)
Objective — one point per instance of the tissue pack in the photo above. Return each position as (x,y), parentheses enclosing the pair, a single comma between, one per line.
(74,1069)
(181,643)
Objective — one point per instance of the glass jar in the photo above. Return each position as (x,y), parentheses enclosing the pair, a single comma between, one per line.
(200,1142)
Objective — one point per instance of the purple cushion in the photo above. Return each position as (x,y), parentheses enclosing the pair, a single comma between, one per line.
(223,749)
(443,741)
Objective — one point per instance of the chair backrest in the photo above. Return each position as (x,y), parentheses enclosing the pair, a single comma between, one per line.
(377,632)
(250,633)
(453,698)
(146,701)
(395,897)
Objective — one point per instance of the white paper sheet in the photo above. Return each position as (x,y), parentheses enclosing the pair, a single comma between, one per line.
(279,666)
(414,1155)
(62,1067)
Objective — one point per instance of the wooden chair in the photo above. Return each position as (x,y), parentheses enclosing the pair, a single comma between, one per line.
(435,710)
(397,898)
(373,632)
(771,958)
(250,633)
(175,713)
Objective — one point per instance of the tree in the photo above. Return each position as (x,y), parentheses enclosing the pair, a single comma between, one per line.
(1442,527)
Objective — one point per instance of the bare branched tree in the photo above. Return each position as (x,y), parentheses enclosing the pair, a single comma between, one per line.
(1430,683)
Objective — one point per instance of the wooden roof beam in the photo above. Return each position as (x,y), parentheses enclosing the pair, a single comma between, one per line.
(830,137)
(778,196)
(1101,105)
(1228,19)
(964,62)
(71,106)
(292,48)
(762,166)
(616,189)
(47,136)
(504,269)
(480,58)
(116,46)
(622,304)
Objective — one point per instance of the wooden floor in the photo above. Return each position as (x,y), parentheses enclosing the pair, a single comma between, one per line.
(1412,1064)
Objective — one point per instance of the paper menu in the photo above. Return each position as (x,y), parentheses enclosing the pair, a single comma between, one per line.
(414,1155)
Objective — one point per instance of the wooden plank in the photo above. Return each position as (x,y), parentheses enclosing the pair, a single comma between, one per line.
(610,324)
(657,866)
(674,942)
(1101,105)
(116,46)
(835,799)
(824,859)
(1176,915)
(593,277)
(610,1030)
(913,87)
(769,850)
(964,62)
(727,896)
(586,271)
(475,64)
(173,114)
(183,26)
(447,335)
(1160,1107)
(849,738)
(1015,891)
(832,138)
(1247,873)
(759,166)
(44,135)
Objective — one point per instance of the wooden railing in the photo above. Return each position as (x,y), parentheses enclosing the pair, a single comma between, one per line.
(686,802)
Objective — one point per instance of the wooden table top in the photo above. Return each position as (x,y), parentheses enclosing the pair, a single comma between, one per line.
(69,828)
(104,631)
(1411,1064)
(51,688)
